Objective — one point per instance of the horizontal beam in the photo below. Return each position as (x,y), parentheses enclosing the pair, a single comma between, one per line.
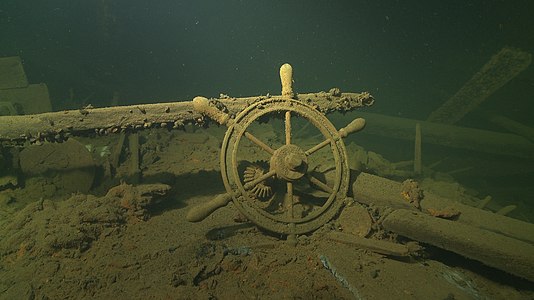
(137,117)
(445,135)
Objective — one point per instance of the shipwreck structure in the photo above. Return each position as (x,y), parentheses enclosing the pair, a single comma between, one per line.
(281,193)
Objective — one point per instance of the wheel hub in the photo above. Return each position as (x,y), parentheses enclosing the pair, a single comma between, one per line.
(289,162)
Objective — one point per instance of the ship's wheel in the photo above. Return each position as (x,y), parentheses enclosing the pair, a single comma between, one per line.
(270,194)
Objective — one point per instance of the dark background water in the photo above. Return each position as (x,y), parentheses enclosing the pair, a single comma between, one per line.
(411,55)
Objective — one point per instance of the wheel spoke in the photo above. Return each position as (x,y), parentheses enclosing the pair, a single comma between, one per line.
(288,127)
(263,177)
(323,186)
(317,147)
(261,144)
(289,199)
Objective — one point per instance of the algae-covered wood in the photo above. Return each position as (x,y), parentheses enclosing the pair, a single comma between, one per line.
(173,114)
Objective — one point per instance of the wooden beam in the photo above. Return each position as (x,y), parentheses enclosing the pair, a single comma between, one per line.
(374,190)
(498,71)
(512,126)
(445,135)
(492,249)
(174,114)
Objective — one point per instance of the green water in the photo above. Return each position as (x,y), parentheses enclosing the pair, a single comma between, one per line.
(411,55)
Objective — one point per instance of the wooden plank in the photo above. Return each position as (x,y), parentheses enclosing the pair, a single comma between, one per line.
(12,73)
